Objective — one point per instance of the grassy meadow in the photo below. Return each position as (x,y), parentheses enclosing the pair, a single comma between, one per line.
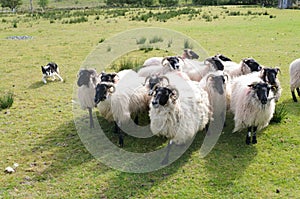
(38,131)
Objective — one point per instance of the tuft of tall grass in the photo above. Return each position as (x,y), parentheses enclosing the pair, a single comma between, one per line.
(156,39)
(187,44)
(6,100)
(279,114)
(142,40)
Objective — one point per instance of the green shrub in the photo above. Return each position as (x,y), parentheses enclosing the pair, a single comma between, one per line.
(6,100)
(156,39)
(142,40)
(279,114)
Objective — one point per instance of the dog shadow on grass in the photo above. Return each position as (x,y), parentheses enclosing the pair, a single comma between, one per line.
(36,85)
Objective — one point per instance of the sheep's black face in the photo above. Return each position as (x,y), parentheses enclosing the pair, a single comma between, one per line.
(161,96)
(108,77)
(216,63)
(223,57)
(262,91)
(189,54)
(83,77)
(269,75)
(101,92)
(218,84)
(174,62)
(252,64)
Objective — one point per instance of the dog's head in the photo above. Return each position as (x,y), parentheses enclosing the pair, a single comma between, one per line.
(46,70)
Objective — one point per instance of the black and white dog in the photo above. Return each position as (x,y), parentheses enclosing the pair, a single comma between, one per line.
(50,70)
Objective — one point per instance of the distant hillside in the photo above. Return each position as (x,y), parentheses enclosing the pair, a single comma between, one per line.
(76,3)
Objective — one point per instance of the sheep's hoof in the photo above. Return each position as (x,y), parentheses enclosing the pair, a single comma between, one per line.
(254,140)
(248,140)
(121,141)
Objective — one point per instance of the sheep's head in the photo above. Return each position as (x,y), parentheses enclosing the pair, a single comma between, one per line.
(154,80)
(251,64)
(217,82)
(174,62)
(189,54)
(108,77)
(223,57)
(261,91)
(162,94)
(269,75)
(216,63)
(85,76)
(102,91)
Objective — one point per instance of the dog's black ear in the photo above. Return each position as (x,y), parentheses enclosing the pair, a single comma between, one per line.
(43,69)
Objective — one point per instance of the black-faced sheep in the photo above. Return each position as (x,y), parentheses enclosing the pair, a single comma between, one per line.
(114,105)
(196,70)
(179,112)
(295,78)
(166,64)
(140,99)
(87,81)
(233,69)
(252,105)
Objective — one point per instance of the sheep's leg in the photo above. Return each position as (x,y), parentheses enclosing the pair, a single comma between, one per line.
(120,135)
(254,140)
(136,119)
(298,91)
(166,158)
(91,118)
(294,96)
(248,137)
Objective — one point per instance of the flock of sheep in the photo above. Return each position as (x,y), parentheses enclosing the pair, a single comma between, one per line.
(180,95)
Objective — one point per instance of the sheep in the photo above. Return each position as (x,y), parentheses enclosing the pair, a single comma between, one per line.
(187,54)
(233,69)
(269,75)
(178,112)
(114,104)
(167,64)
(252,105)
(216,82)
(295,78)
(140,99)
(87,81)
(196,70)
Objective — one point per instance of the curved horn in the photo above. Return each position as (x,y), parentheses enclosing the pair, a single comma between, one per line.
(148,77)
(162,61)
(112,86)
(167,79)
(175,96)
(209,76)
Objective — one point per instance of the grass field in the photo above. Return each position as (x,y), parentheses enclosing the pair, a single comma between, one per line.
(39,134)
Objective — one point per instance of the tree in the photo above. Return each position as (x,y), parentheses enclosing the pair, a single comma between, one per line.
(12,4)
(43,3)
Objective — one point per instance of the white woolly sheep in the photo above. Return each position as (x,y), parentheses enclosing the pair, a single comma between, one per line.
(114,106)
(179,112)
(167,64)
(87,81)
(196,70)
(216,83)
(140,99)
(252,105)
(233,69)
(295,78)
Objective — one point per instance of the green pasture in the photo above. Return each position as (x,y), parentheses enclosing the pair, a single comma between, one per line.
(38,131)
